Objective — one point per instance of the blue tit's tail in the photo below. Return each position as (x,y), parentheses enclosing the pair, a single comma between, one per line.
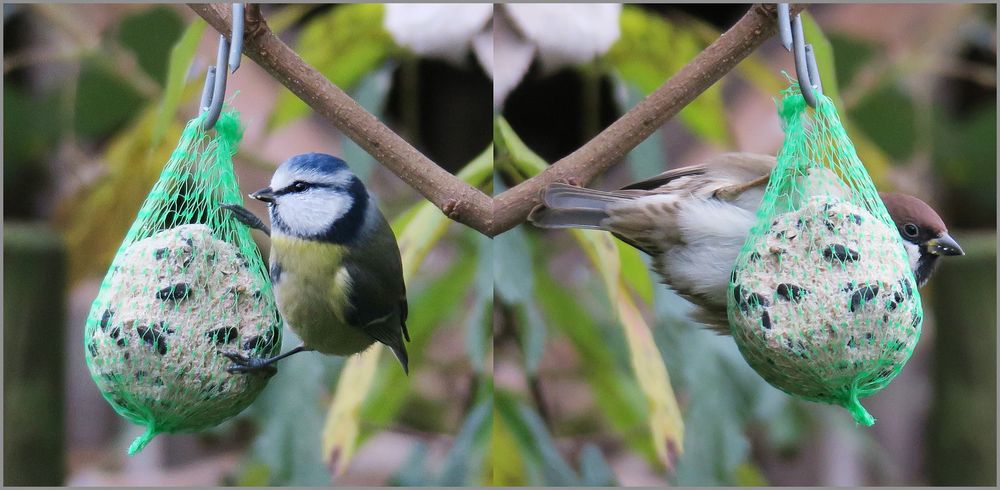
(391,332)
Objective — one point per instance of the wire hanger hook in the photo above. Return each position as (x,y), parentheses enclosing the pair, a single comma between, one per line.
(211,101)
(793,40)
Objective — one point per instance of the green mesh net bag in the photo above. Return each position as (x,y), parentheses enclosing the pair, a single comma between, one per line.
(186,285)
(822,301)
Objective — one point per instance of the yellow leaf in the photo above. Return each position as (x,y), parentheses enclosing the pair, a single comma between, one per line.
(340,431)
(665,414)
(665,421)
(95,219)
(418,230)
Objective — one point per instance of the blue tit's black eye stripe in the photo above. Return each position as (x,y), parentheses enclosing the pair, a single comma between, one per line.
(347,228)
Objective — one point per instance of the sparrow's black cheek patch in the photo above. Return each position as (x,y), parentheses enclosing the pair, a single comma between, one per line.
(840,253)
(864,294)
(791,292)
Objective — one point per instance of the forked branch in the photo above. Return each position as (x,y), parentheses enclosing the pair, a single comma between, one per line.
(455,198)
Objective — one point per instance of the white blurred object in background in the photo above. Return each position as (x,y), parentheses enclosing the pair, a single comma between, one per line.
(560,34)
(437,30)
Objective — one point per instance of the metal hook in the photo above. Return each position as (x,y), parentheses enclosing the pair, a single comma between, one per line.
(216,76)
(793,39)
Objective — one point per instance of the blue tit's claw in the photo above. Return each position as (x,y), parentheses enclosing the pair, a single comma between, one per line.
(249,365)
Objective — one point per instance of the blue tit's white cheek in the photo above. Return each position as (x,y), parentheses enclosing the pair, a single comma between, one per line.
(313,212)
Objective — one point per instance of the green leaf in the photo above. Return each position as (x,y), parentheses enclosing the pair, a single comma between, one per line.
(344,44)
(594,469)
(512,152)
(532,335)
(413,472)
(462,465)
(104,102)
(505,455)
(544,464)
(649,157)
(439,301)
(635,271)
(479,323)
(289,414)
(151,34)
(512,267)
(722,391)
(615,391)
(888,116)
(180,62)
(854,55)
(650,50)
(31,127)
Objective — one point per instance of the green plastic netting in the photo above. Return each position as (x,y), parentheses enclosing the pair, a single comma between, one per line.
(186,284)
(822,301)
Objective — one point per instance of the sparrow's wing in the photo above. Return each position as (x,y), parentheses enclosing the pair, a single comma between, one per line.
(720,171)
(665,178)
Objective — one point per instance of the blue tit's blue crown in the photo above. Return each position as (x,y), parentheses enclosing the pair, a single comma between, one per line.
(316,162)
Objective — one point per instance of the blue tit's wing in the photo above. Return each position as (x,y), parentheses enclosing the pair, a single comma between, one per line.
(377,297)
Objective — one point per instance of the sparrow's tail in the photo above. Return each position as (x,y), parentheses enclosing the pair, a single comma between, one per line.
(567,206)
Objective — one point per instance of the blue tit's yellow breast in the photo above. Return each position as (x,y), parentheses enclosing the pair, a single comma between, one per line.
(312,289)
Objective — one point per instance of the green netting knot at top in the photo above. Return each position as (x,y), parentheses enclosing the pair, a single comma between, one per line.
(822,302)
(186,285)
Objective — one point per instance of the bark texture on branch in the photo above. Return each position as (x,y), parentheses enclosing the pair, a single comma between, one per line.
(511,207)
(458,200)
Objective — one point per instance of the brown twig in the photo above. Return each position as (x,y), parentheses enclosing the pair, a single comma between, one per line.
(467,204)
(464,203)
(607,148)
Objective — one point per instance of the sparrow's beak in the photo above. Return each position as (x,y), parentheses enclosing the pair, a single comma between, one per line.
(267,195)
(944,245)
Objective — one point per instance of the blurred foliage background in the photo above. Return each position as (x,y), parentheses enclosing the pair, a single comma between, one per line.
(916,88)
(538,358)
(95,98)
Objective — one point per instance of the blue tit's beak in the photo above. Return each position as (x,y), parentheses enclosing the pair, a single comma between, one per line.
(266,194)
(944,245)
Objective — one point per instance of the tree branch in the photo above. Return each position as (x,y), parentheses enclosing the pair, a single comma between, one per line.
(458,200)
(512,206)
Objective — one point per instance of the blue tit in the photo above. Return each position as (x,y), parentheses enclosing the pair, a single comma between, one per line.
(335,265)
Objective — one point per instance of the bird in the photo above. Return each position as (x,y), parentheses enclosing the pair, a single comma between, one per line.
(334,265)
(693,221)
